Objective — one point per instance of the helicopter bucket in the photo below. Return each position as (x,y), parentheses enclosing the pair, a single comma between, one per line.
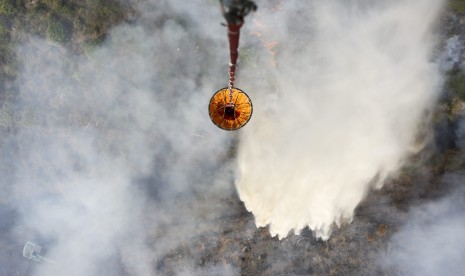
(230,108)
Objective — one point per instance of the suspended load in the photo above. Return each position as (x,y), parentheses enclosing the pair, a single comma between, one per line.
(230,108)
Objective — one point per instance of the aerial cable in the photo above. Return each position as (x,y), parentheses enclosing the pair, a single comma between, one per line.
(230,108)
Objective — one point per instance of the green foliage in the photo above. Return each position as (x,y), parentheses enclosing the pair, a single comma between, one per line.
(65,20)
(6,116)
(56,32)
(7,8)
(26,118)
(61,8)
(91,44)
(457,6)
(456,83)
(81,24)
(101,14)
(3,32)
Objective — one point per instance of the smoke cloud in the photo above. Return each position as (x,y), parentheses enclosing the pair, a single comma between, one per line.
(432,241)
(349,94)
(115,162)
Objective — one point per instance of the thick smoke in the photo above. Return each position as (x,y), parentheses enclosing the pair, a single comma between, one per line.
(432,241)
(350,91)
(117,162)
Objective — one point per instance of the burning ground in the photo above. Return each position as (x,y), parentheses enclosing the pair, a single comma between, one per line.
(109,160)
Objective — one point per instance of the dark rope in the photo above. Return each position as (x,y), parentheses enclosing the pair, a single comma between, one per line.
(233,35)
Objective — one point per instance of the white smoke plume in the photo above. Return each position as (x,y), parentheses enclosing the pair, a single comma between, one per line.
(432,240)
(352,84)
(117,162)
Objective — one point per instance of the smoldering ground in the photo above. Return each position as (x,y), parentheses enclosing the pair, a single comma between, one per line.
(431,242)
